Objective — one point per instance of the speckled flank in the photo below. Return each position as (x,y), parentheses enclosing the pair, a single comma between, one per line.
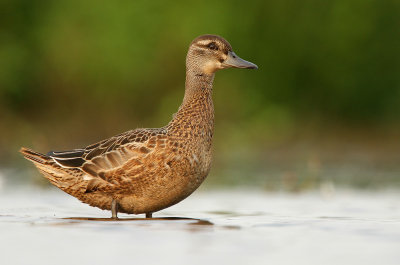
(146,170)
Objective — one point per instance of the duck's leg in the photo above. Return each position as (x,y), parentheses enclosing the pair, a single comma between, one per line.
(114,209)
(149,215)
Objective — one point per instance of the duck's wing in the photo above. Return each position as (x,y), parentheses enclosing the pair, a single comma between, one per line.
(77,157)
(107,161)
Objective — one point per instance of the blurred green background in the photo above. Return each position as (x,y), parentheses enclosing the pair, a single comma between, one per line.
(322,110)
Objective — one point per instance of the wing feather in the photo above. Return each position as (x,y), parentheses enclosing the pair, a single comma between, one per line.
(104,161)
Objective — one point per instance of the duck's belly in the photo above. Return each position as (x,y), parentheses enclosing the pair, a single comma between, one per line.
(154,193)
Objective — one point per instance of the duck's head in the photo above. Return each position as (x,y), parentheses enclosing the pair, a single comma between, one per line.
(209,53)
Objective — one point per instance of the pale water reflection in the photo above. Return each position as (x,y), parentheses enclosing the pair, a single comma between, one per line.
(210,227)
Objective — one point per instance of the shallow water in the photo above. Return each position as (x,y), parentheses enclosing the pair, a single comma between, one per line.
(224,227)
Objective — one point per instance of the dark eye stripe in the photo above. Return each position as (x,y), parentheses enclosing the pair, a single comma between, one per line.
(212,46)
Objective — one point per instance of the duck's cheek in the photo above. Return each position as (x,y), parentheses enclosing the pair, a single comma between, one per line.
(219,65)
(211,67)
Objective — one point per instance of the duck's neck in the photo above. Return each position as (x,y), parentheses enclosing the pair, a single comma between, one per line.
(196,113)
(197,84)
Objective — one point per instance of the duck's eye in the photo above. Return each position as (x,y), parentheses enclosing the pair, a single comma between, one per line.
(212,46)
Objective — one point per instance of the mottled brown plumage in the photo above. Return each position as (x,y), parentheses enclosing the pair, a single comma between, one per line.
(146,170)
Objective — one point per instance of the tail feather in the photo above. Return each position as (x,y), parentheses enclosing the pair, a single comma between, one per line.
(35,156)
(69,180)
(63,178)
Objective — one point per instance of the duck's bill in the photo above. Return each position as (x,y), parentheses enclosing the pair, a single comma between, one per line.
(235,61)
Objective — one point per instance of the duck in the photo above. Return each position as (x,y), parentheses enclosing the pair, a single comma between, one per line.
(143,171)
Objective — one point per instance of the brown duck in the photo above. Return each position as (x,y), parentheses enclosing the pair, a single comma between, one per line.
(147,170)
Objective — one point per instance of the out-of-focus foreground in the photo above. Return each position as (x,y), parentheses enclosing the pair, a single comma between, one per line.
(322,110)
(357,227)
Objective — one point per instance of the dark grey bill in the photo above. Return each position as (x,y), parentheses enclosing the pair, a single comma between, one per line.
(235,61)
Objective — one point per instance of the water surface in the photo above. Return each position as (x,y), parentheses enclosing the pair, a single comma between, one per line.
(211,227)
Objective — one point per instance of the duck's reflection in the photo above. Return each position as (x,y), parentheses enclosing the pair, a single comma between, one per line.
(185,220)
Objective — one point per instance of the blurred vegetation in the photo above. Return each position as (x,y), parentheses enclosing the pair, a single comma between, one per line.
(323,107)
